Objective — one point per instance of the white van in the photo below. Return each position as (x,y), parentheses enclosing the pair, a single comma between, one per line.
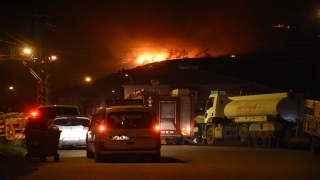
(123,127)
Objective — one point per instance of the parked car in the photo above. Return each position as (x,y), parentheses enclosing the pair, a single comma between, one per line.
(44,116)
(73,132)
(123,128)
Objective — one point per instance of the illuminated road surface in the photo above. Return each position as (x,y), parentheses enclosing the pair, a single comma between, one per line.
(186,162)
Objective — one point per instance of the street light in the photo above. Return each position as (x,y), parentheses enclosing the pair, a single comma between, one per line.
(52,58)
(27,51)
(10,88)
(130,79)
(88,79)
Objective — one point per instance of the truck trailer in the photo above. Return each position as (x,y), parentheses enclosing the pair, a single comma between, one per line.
(175,112)
(257,120)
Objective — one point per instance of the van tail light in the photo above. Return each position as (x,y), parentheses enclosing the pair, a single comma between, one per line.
(86,128)
(102,127)
(157,128)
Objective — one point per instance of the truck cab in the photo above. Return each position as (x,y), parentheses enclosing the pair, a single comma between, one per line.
(215,106)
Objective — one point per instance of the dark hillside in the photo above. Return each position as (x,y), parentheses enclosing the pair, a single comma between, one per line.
(285,72)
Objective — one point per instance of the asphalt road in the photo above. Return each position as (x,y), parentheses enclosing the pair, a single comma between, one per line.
(186,162)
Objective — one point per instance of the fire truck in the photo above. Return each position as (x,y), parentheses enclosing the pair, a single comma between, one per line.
(175,112)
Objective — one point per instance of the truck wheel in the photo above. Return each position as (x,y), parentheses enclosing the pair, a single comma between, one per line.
(244,135)
(210,136)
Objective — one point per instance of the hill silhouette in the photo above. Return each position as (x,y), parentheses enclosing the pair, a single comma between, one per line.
(281,71)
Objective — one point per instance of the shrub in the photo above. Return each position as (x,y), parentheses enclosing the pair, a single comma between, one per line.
(12,161)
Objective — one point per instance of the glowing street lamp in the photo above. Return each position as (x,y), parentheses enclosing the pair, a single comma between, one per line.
(127,75)
(88,79)
(113,94)
(27,51)
(52,58)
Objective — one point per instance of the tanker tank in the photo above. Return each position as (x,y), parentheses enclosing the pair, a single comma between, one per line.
(289,107)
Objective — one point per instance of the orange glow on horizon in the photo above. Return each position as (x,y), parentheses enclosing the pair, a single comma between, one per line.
(145,59)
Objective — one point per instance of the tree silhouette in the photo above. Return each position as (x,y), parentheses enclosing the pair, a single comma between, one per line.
(176,54)
(203,53)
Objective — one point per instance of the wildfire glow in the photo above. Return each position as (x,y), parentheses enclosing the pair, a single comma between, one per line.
(145,59)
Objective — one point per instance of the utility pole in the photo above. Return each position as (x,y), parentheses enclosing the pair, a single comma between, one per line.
(39,58)
(42,22)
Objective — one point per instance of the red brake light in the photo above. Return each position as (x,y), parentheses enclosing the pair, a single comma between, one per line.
(101,128)
(157,127)
(33,114)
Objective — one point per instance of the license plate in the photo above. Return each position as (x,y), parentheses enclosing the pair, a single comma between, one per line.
(119,138)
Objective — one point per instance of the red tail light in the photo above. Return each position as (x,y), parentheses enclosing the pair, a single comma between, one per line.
(85,128)
(157,128)
(102,127)
(33,114)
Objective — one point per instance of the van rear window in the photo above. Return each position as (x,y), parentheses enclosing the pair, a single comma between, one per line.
(124,120)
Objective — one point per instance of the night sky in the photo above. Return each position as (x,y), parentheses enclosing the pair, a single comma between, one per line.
(100,37)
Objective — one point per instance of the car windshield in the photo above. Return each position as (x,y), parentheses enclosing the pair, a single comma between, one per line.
(124,120)
(69,122)
(51,113)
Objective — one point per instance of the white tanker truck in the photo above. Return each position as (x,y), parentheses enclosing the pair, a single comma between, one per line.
(260,120)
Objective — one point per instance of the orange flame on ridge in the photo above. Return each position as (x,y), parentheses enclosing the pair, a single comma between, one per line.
(145,59)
